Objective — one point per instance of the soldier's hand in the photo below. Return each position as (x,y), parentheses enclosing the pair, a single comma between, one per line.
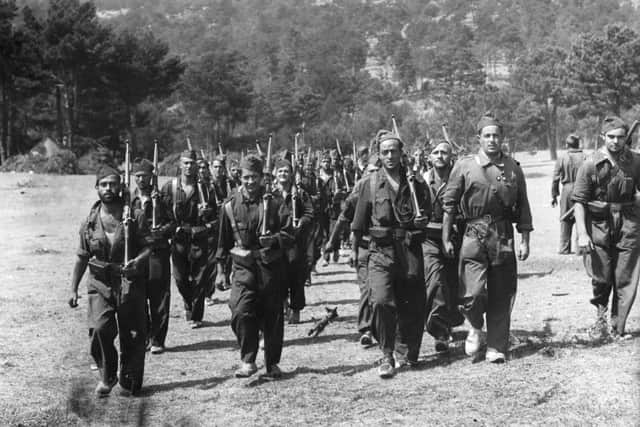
(73,300)
(448,249)
(554,202)
(523,250)
(585,245)
(220,282)
(130,270)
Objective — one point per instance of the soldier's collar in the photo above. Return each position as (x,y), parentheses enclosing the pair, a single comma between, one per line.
(483,160)
(603,155)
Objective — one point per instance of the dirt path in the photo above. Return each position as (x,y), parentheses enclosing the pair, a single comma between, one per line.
(557,374)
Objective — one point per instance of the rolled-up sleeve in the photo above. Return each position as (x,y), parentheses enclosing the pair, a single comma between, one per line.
(83,247)
(583,187)
(453,191)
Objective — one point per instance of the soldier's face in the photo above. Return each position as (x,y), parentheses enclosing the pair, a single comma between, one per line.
(217,169)
(235,172)
(490,139)
(251,180)
(108,188)
(188,166)
(326,164)
(614,139)
(143,181)
(283,174)
(441,156)
(390,153)
(203,170)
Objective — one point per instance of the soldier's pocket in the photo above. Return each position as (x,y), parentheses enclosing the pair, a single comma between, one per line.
(600,232)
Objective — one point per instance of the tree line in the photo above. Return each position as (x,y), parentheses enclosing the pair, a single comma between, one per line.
(231,72)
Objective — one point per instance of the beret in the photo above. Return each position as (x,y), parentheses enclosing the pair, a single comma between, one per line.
(105,171)
(613,122)
(252,163)
(142,167)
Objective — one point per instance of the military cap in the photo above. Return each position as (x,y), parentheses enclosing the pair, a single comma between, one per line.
(283,163)
(105,171)
(252,162)
(488,120)
(362,150)
(222,158)
(188,154)
(387,135)
(326,155)
(573,140)
(142,167)
(613,122)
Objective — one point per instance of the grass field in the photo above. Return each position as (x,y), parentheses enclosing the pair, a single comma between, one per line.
(557,375)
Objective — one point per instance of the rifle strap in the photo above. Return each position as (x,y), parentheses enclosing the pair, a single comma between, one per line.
(174,193)
(234,225)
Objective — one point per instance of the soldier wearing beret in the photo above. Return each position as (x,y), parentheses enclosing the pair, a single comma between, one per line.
(185,195)
(161,228)
(607,212)
(385,211)
(565,172)
(255,244)
(489,191)
(298,230)
(116,300)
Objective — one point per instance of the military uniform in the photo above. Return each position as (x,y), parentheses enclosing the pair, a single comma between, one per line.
(190,247)
(441,272)
(565,171)
(256,288)
(606,188)
(116,304)
(159,278)
(395,273)
(490,196)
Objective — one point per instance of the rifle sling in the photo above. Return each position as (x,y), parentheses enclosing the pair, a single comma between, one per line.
(234,225)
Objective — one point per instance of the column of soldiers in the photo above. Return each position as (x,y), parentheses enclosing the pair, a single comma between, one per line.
(432,247)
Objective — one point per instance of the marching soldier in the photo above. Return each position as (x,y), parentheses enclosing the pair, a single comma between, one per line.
(159,279)
(386,211)
(489,191)
(116,300)
(565,172)
(194,219)
(441,273)
(255,244)
(296,267)
(607,212)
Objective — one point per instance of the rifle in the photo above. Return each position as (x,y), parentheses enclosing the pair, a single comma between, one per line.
(154,191)
(215,193)
(226,168)
(411,176)
(344,171)
(445,133)
(126,197)
(294,184)
(267,190)
(629,139)
(260,153)
(332,313)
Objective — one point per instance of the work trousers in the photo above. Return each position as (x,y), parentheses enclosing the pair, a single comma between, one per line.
(256,304)
(397,301)
(566,227)
(296,274)
(159,295)
(364,306)
(441,277)
(615,267)
(192,273)
(124,316)
(486,288)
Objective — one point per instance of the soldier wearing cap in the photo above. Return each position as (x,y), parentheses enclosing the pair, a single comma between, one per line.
(395,275)
(298,229)
(441,272)
(256,288)
(116,300)
(607,213)
(565,172)
(362,162)
(489,191)
(195,220)
(159,278)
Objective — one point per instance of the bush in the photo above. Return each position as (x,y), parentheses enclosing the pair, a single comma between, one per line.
(62,163)
(89,163)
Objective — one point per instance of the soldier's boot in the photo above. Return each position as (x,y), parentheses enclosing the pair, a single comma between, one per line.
(600,329)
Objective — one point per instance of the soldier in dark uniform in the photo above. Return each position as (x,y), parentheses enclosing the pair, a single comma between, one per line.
(490,192)
(565,172)
(296,267)
(116,298)
(441,272)
(195,220)
(385,211)
(257,254)
(607,212)
(159,279)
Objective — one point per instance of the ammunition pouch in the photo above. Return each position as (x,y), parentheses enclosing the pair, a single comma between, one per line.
(434,230)
(182,235)
(385,236)
(104,271)
(270,241)
(198,232)
(241,256)
(499,248)
(270,255)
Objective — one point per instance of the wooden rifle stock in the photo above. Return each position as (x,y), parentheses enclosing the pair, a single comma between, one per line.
(126,209)
(411,175)
(267,190)
(294,183)
(344,170)
(154,196)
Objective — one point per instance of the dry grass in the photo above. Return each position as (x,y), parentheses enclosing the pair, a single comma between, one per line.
(557,374)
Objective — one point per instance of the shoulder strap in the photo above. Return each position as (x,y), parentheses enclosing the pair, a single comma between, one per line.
(234,225)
